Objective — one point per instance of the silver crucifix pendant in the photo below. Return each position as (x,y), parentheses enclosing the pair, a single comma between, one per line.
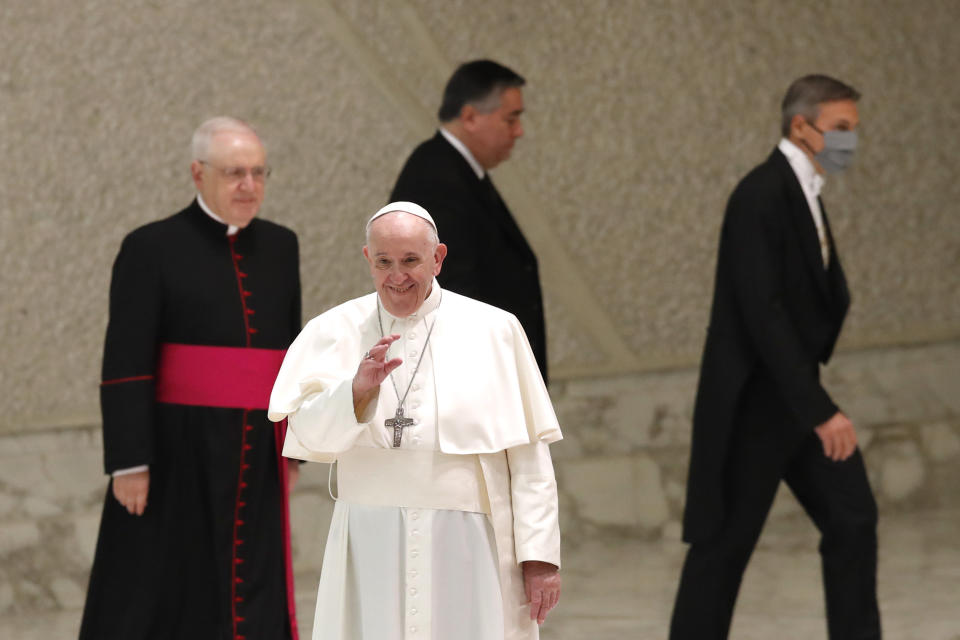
(398,423)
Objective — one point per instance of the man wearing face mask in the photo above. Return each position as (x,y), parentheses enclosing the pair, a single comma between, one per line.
(761,414)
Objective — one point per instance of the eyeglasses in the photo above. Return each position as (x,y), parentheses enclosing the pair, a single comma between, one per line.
(237,174)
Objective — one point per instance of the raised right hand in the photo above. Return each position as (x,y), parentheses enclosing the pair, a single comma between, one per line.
(374,369)
(130,490)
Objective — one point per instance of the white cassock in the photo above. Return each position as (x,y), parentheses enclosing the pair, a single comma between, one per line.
(426,539)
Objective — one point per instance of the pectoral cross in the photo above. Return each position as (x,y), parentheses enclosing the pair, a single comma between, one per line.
(398,423)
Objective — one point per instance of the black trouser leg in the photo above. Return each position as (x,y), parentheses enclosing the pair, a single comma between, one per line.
(837,497)
(713,569)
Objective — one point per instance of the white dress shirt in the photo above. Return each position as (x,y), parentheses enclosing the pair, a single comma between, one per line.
(462,148)
(812,183)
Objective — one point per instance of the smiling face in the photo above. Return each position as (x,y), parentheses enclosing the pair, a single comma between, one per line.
(231,178)
(404,258)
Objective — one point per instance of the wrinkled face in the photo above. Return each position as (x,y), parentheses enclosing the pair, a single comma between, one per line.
(492,134)
(231,178)
(403,261)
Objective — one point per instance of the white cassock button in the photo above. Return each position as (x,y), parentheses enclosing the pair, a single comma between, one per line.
(413,573)
(413,611)
(413,335)
(415,405)
(413,629)
(414,514)
(414,553)
(415,532)
(416,387)
(413,591)
(413,354)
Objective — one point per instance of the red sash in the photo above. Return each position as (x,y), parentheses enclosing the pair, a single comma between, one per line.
(226,377)
(230,378)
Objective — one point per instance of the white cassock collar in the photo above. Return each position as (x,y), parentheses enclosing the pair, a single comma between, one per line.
(231,228)
(429,305)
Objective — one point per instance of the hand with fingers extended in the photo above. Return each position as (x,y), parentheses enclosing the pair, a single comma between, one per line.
(541,583)
(838,437)
(373,369)
(131,490)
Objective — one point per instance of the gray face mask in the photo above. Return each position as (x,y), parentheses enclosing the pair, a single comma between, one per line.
(838,148)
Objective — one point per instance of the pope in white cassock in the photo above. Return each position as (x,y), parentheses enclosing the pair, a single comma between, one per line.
(433,407)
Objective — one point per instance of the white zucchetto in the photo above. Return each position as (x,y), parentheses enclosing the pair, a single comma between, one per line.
(406,207)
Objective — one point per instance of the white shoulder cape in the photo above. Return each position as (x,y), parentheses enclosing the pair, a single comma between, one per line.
(490,394)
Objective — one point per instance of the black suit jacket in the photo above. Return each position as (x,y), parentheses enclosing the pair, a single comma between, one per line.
(776,315)
(488,258)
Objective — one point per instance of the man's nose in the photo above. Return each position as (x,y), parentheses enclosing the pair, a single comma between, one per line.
(518,130)
(247,182)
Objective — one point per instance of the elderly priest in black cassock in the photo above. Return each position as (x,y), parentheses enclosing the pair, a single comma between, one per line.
(194,540)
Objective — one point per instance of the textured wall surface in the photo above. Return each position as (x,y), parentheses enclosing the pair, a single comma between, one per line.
(641,117)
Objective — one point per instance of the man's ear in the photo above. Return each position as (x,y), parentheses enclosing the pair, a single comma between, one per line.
(438,255)
(196,172)
(797,122)
(468,116)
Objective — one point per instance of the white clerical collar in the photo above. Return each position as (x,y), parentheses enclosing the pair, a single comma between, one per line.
(462,148)
(231,228)
(810,179)
(429,305)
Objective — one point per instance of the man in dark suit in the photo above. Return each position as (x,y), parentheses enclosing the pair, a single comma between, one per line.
(761,413)
(489,258)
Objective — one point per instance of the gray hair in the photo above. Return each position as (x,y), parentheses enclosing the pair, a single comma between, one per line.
(806,94)
(200,144)
(434,238)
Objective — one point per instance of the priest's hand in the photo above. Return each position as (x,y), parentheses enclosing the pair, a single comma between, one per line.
(838,437)
(541,582)
(373,369)
(131,489)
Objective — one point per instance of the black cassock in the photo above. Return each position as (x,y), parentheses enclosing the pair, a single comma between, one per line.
(210,557)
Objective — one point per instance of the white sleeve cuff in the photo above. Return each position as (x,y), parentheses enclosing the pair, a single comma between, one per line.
(129,470)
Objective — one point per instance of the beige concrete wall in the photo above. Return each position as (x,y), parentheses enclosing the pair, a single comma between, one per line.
(641,118)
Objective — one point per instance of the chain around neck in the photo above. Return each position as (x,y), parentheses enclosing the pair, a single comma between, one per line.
(423,352)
